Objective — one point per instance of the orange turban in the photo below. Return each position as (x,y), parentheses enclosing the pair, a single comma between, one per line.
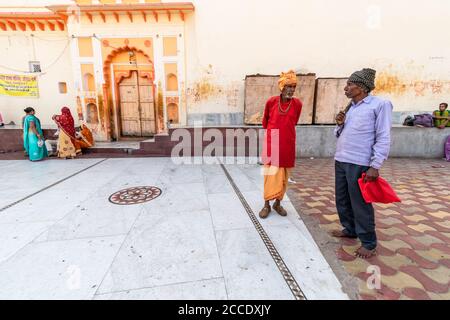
(288,78)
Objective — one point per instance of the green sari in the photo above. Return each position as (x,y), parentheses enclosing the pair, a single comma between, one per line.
(30,140)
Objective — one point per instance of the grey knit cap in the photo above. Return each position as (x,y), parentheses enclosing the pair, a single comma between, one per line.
(365,78)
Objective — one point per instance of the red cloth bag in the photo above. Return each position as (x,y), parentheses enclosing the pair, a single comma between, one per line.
(377,191)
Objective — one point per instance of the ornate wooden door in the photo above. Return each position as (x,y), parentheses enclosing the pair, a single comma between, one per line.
(137,107)
(129,106)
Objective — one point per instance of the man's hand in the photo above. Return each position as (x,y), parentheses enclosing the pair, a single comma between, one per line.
(340,118)
(371,175)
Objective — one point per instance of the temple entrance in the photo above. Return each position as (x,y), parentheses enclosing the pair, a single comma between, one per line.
(137,105)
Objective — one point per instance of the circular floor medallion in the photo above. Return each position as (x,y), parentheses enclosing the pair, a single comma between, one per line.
(135,195)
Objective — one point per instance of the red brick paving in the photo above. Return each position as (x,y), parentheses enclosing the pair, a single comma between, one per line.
(414,236)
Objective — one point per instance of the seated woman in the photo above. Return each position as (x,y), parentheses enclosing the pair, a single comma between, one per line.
(442,116)
(33,137)
(68,146)
(84,137)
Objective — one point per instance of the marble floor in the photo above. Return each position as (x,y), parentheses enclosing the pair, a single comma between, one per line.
(61,237)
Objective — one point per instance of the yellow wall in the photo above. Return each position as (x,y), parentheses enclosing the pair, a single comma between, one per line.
(85,47)
(88,75)
(170,46)
(171,73)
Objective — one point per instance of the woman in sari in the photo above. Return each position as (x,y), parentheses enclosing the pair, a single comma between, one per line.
(33,137)
(85,138)
(68,146)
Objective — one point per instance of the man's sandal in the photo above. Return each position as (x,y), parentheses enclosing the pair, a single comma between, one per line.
(264,213)
(280,210)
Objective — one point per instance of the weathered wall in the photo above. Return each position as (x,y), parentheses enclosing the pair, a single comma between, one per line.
(226,40)
(402,39)
(259,87)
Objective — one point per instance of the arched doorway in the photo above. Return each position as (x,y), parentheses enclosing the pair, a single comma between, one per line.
(130,83)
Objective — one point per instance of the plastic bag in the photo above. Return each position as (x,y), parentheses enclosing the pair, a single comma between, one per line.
(377,191)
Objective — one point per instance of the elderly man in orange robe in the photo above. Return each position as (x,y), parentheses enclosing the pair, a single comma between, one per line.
(281,115)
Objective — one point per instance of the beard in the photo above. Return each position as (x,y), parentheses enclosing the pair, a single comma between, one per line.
(288,96)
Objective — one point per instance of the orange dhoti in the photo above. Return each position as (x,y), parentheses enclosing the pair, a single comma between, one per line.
(275,182)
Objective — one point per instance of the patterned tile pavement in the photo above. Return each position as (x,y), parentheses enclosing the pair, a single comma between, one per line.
(414,236)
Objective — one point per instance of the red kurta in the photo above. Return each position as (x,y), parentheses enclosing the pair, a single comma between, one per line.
(285,123)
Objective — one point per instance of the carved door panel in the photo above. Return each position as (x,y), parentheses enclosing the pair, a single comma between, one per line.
(148,118)
(129,106)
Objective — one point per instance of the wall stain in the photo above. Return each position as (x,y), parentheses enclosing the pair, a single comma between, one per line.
(392,83)
(203,90)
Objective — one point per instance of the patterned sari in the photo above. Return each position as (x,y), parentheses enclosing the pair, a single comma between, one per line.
(67,142)
(31,141)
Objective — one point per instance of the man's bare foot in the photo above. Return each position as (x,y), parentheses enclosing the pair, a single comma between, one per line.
(341,234)
(365,253)
(264,213)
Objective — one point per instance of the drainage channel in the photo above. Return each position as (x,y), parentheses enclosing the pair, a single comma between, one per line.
(285,272)
(50,186)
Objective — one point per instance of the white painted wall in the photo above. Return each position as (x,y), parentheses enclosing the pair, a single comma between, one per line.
(328,37)
(53,51)
(227,40)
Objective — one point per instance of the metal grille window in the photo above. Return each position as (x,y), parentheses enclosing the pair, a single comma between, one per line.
(35,66)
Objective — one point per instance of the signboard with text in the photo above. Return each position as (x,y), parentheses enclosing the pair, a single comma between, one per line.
(19,85)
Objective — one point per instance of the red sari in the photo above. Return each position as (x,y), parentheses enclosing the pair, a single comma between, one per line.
(280,153)
(67,124)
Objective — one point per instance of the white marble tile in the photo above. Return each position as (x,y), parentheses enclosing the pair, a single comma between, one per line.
(170,251)
(199,290)
(241,180)
(50,205)
(21,181)
(217,184)
(14,236)
(212,169)
(178,174)
(96,217)
(125,181)
(249,271)
(306,263)
(178,198)
(70,269)
(253,173)
(164,249)
(227,212)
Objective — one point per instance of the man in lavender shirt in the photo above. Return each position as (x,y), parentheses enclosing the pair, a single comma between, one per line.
(363,134)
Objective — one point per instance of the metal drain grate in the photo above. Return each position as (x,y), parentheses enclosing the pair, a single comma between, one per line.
(285,272)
